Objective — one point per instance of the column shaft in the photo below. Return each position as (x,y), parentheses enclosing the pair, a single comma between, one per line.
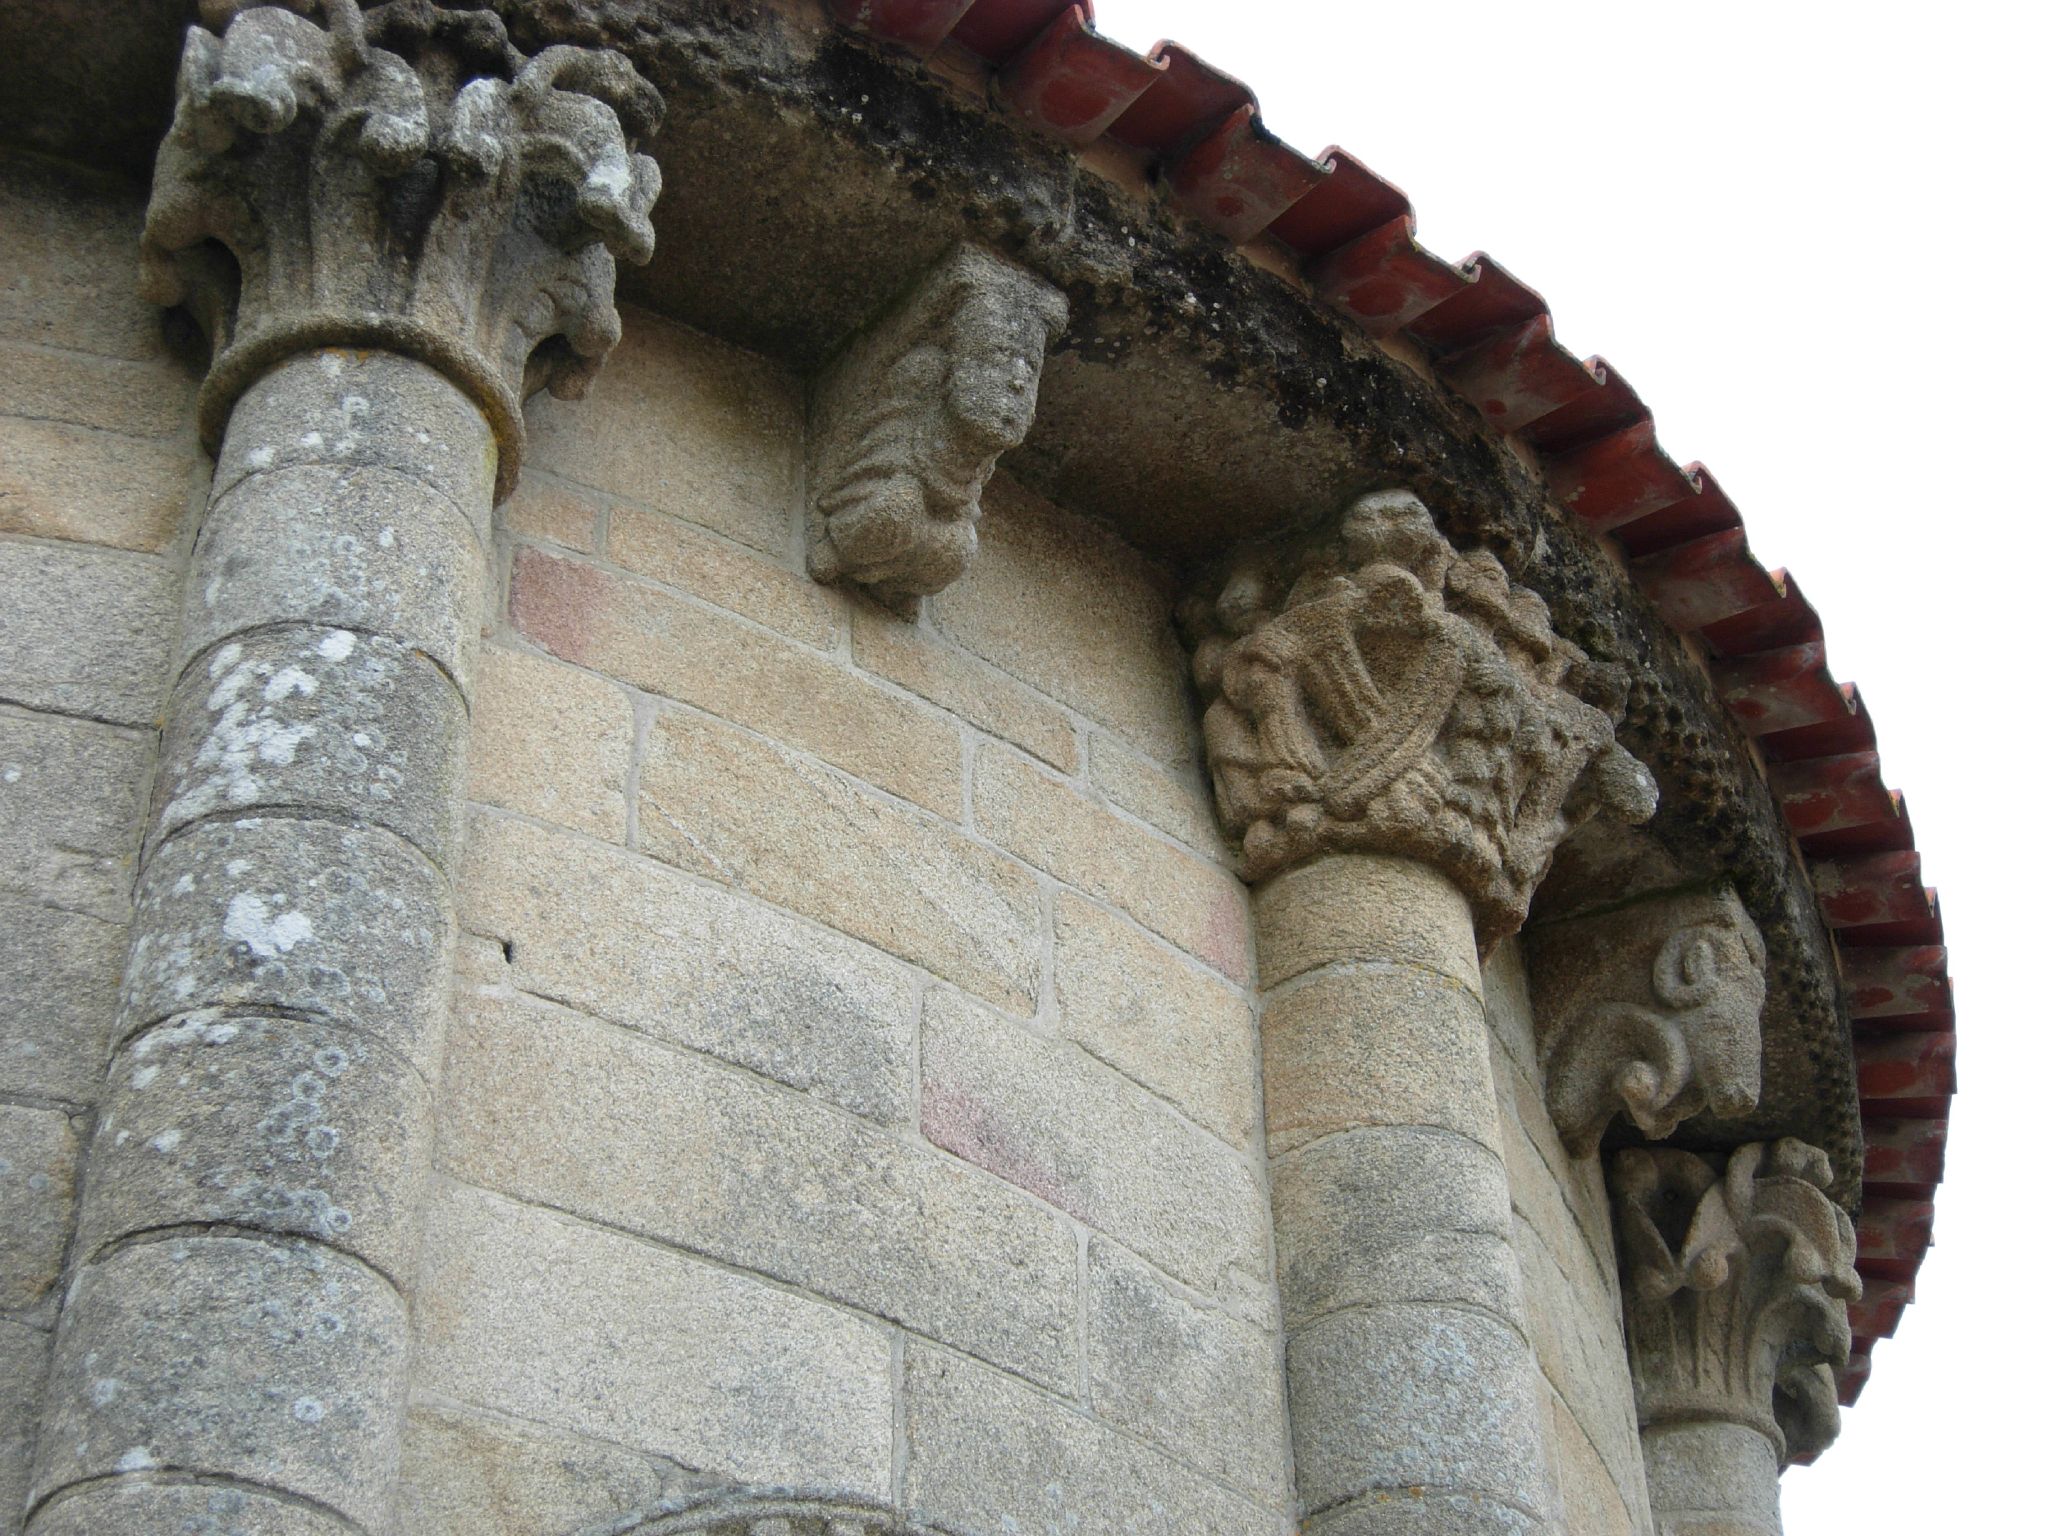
(1712,1478)
(235,1332)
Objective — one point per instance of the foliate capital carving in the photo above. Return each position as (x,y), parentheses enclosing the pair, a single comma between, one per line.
(1373,690)
(1653,1010)
(403,178)
(1736,1279)
(907,424)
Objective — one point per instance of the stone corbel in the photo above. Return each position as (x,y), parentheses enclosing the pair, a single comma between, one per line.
(907,424)
(1653,1010)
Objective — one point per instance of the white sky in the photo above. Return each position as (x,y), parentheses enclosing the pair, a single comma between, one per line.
(1805,233)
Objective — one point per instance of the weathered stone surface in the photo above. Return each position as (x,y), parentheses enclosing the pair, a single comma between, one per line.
(64,482)
(71,795)
(668,550)
(60,973)
(1371,690)
(67,245)
(1356,1047)
(600,1334)
(139,398)
(1589,1495)
(1066,606)
(768,1512)
(1357,1215)
(1177,803)
(1358,907)
(38,1176)
(1653,1010)
(84,631)
(562,1111)
(309,917)
(320,720)
(1205,1386)
(697,655)
(553,512)
(1712,1478)
(1398,1397)
(268,1124)
(1068,1129)
(1418,1512)
(1187,902)
(688,426)
(633,941)
(469,1474)
(551,742)
(24,1362)
(352,547)
(1136,1004)
(988,1453)
(917,657)
(267,1362)
(907,423)
(191,1510)
(719,803)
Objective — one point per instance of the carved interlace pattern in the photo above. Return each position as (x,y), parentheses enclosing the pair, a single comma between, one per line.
(405,178)
(1736,1285)
(1375,691)
(1653,1010)
(908,423)
(744,1513)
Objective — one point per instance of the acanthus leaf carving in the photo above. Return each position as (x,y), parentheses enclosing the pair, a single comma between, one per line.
(1373,690)
(1653,1010)
(401,177)
(907,424)
(1736,1278)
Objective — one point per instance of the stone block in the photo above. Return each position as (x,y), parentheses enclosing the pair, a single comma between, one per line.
(697,655)
(1363,907)
(1048,823)
(685,425)
(71,795)
(1177,802)
(1203,1385)
(38,1183)
(60,973)
(988,1453)
(551,742)
(471,1474)
(552,512)
(668,550)
(1508,1011)
(1050,1119)
(1563,1198)
(1588,1494)
(726,805)
(1064,605)
(362,549)
(67,245)
(917,657)
(314,918)
(1414,1396)
(604,1335)
(152,398)
(560,1110)
(191,1510)
(1350,1047)
(324,720)
(269,1124)
(1419,1512)
(272,1363)
(633,941)
(24,1363)
(1142,1007)
(86,631)
(65,482)
(1374,1216)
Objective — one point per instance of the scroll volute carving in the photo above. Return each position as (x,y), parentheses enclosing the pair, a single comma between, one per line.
(1373,690)
(1653,1010)
(1736,1281)
(907,424)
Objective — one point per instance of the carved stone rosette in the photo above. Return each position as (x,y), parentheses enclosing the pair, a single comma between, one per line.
(907,424)
(1653,1010)
(1736,1283)
(404,179)
(1373,690)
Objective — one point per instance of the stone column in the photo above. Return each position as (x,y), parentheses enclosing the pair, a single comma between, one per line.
(1399,742)
(1736,1274)
(393,224)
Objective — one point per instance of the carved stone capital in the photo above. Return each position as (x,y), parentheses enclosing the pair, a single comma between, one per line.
(1736,1279)
(907,424)
(1653,1010)
(1373,690)
(400,178)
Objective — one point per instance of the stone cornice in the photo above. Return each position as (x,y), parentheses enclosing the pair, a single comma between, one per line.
(400,178)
